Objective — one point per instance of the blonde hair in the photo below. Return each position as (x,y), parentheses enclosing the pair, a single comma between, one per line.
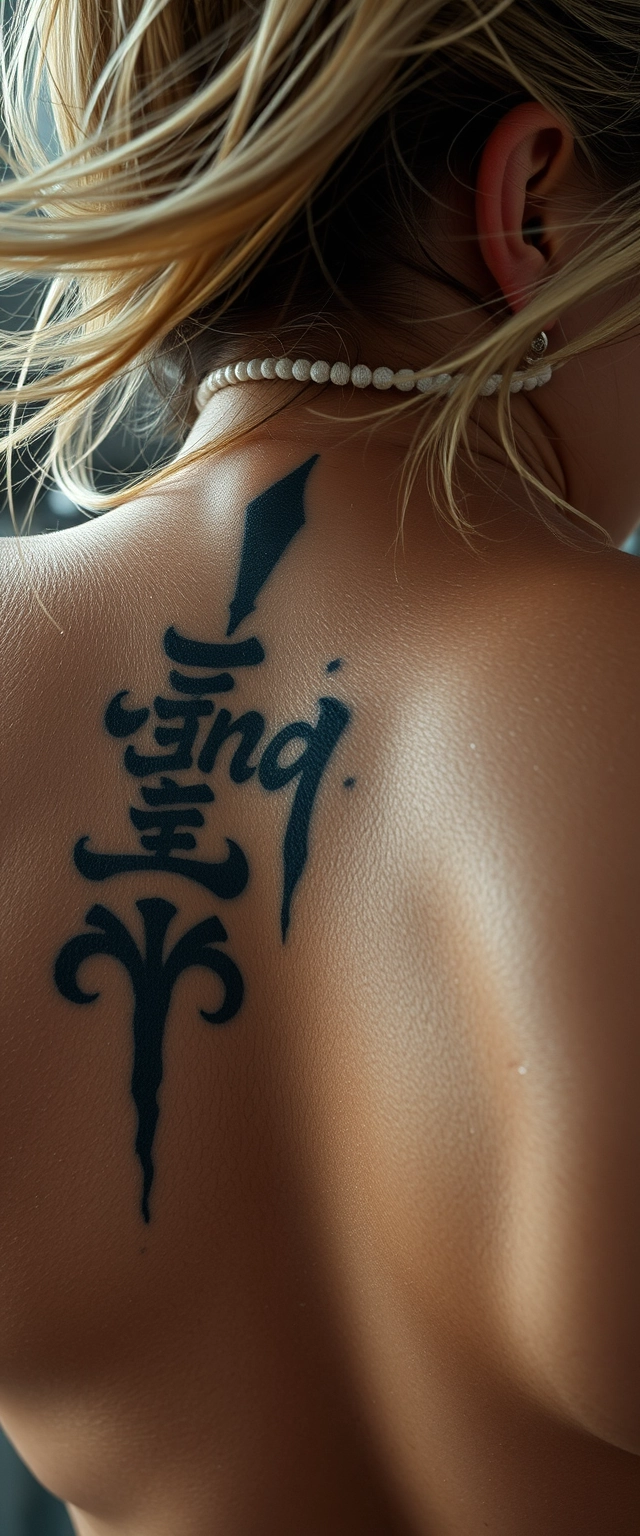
(204,162)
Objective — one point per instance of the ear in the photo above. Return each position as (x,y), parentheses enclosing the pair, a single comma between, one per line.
(523,162)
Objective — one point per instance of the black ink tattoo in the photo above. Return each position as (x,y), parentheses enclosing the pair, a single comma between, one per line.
(182,737)
(308,768)
(172,811)
(152,980)
(123,722)
(226,879)
(223,683)
(200,653)
(249,727)
(271,521)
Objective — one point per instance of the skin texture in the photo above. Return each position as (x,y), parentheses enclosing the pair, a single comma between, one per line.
(389,1282)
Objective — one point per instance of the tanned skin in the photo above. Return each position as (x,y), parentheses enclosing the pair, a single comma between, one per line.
(319,1047)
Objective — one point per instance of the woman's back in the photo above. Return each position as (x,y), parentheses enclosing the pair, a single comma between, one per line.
(333,1260)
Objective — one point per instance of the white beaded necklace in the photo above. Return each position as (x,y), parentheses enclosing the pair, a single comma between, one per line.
(404,379)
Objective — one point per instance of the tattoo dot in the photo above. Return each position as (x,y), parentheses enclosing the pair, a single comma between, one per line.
(348,783)
(334,666)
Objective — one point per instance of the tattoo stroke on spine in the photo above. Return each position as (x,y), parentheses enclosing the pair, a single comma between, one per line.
(152,980)
(170,806)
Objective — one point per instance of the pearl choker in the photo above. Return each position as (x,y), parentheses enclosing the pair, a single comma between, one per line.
(361,377)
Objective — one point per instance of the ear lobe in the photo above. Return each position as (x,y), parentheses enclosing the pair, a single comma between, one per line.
(523,161)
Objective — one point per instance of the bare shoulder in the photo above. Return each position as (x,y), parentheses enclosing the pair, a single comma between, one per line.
(554,654)
(45,598)
(549,821)
(60,599)
(544,741)
(43,579)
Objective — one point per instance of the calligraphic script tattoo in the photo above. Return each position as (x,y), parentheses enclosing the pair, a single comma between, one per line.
(190,732)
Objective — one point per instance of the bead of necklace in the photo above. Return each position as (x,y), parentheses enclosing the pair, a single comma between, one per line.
(361,377)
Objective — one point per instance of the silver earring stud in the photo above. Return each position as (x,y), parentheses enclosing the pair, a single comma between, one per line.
(537,348)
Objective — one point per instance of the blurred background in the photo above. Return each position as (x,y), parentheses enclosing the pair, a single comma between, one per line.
(26,1509)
